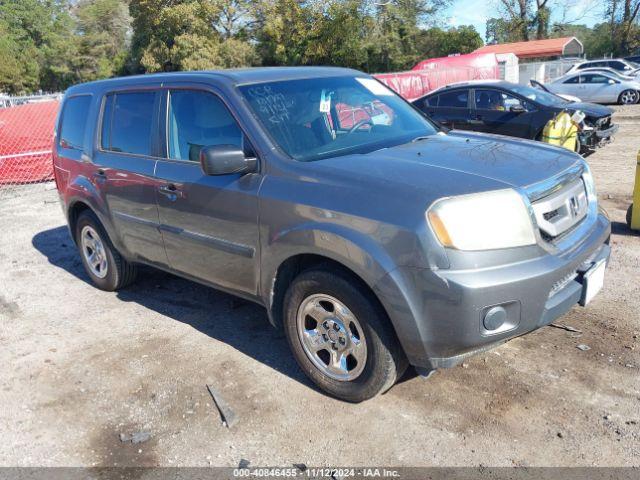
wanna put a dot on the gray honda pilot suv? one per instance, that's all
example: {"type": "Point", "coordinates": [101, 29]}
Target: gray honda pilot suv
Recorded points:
{"type": "Point", "coordinates": [375, 239]}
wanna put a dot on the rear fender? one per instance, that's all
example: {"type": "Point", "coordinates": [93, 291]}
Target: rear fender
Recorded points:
{"type": "Point", "coordinates": [82, 190]}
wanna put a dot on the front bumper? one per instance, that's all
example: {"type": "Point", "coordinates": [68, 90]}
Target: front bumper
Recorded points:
{"type": "Point", "coordinates": [438, 314]}
{"type": "Point", "coordinates": [595, 138]}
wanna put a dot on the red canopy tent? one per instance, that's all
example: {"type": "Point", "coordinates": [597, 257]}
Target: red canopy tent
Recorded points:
{"type": "Point", "coordinates": [434, 73]}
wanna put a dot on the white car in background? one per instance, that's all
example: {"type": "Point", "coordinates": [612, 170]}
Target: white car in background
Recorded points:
{"type": "Point", "coordinates": [597, 87]}
{"type": "Point", "coordinates": [618, 64]}
{"type": "Point", "coordinates": [564, 96]}
{"type": "Point", "coordinates": [617, 74]}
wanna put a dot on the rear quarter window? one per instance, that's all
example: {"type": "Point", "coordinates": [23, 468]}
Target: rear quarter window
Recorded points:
{"type": "Point", "coordinates": [74, 118]}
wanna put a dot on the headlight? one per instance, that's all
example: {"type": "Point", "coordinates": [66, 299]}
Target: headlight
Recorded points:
{"type": "Point", "coordinates": [589, 184]}
{"type": "Point", "coordinates": [482, 221]}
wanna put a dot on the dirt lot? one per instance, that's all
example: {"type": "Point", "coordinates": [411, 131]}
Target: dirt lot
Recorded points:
{"type": "Point", "coordinates": [81, 366]}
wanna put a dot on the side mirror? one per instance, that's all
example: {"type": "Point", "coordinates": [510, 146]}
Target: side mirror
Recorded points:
{"type": "Point", "coordinates": [517, 109]}
{"type": "Point", "coordinates": [611, 82]}
{"type": "Point", "coordinates": [225, 160]}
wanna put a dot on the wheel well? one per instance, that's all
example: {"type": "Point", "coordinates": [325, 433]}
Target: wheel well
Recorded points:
{"type": "Point", "coordinates": [291, 267]}
{"type": "Point", "coordinates": [74, 212]}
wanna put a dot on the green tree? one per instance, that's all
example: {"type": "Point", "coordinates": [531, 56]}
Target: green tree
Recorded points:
{"type": "Point", "coordinates": [102, 37]}
{"type": "Point", "coordinates": [183, 37]}
{"type": "Point", "coordinates": [41, 32]}
{"type": "Point", "coordinates": [392, 42]}
{"type": "Point", "coordinates": [623, 16]}
{"type": "Point", "coordinates": [436, 42]}
{"type": "Point", "coordinates": [339, 36]}
{"type": "Point", "coordinates": [19, 69]}
{"type": "Point", "coordinates": [520, 20]}
{"type": "Point", "coordinates": [283, 30]}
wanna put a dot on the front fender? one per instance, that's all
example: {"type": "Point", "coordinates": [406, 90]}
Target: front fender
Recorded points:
{"type": "Point", "coordinates": [354, 250]}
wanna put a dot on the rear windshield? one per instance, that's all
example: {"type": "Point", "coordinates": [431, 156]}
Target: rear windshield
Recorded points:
{"type": "Point", "coordinates": [319, 118]}
{"type": "Point", "coordinates": [74, 121]}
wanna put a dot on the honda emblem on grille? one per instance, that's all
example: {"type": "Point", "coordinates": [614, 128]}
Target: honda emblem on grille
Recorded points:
{"type": "Point", "coordinates": [574, 205]}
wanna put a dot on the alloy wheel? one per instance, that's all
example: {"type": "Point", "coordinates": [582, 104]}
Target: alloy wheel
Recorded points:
{"type": "Point", "coordinates": [629, 97]}
{"type": "Point", "coordinates": [94, 251]}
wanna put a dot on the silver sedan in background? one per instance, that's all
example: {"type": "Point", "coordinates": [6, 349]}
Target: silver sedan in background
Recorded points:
{"type": "Point", "coordinates": [597, 87]}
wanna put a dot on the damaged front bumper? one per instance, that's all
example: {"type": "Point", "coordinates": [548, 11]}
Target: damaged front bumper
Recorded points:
{"type": "Point", "coordinates": [593, 138]}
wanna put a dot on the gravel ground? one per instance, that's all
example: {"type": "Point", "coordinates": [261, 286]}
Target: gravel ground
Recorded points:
{"type": "Point", "coordinates": [81, 366]}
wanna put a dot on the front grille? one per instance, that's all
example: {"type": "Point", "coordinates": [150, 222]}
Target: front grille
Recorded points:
{"type": "Point", "coordinates": [561, 211]}
{"type": "Point", "coordinates": [551, 215]}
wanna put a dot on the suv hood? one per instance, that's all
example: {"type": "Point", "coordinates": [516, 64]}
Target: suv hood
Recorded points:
{"type": "Point", "coordinates": [501, 161]}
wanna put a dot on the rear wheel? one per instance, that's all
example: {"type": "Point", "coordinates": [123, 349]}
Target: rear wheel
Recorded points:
{"type": "Point", "coordinates": [628, 97]}
{"type": "Point", "coordinates": [629, 214]}
{"type": "Point", "coordinates": [340, 336]}
{"type": "Point", "coordinates": [105, 266]}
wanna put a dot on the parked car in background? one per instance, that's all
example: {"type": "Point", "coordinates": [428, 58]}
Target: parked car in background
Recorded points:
{"type": "Point", "coordinates": [597, 88]}
{"type": "Point", "coordinates": [511, 109]}
{"type": "Point", "coordinates": [618, 64]}
{"type": "Point", "coordinates": [563, 96]}
{"type": "Point", "coordinates": [634, 59]}
{"type": "Point", "coordinates": [373, 244]}
{"type": "Point", "coordinates": [617, 74]}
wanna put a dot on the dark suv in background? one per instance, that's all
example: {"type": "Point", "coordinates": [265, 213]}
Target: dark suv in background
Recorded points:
{"type": "Point", "coordinates": [373, 238]}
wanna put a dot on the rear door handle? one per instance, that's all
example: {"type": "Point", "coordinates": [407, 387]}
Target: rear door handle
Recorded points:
{"type": "Point", "coordinates": [476, 121]}
{"type": "Point", "coordinates": [170, 191]}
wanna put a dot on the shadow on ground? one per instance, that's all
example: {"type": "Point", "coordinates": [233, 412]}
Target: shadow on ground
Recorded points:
{"type": "Point", "coordinates": [238, 323]}
{"type": "Point", "coordinates": [620, 228]}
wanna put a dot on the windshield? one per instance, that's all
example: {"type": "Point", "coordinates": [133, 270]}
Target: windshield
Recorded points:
{"type": "Point", "coordinates": [544, 98]}
{"type": "Point", "coordinates": [312, 119]}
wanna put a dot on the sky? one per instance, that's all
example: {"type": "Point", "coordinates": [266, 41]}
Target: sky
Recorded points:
{"type": "Point", "coordinates": [476, 12]}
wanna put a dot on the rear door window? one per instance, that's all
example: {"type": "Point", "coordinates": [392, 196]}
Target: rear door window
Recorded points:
{"type": "Point", "coordinates": [127, 122]}
{"type": "Point", "coordinates": [575, 79]}
{"type": "Point", "coordinates": [74, 121]}
{"type": "Point", "coordinates": [457, 99]}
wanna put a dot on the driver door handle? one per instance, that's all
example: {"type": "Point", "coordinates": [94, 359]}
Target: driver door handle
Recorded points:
{"type": "Point", "coordinates": [170, 191]}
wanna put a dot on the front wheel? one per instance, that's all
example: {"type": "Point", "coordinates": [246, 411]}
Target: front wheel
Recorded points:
{"type": "Point", "coordinates": [340, 336]}
{"type": "Point", "coordinates": [628, 97]}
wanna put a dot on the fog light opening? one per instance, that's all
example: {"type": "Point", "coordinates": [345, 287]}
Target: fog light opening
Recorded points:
{"type": "Point", "coordinates": [495, 318]}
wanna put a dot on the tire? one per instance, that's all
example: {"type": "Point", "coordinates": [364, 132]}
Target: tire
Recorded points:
{"type": "Point", "coordinates": [349, 322]}
{"type": "Point", "coordinates": [629, 214]}
{"type": "Point", "coordinates": [628, 97]}
{"type": "Point", "coordinates": [109, 271]}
